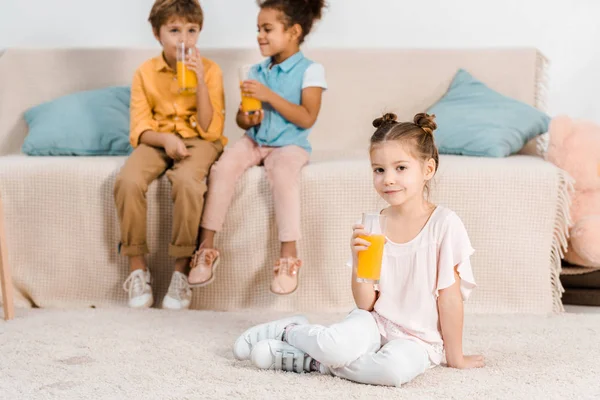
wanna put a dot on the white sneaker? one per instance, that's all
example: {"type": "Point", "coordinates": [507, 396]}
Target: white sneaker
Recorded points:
{"type": "Point", "coordinates": [278, 355]}
{"type": "Point", "coordinates": [179, 295]}
{"type": "Point", "coordinates": [137, 285]}
{"type": "Point", "coordinates": [271, 330]}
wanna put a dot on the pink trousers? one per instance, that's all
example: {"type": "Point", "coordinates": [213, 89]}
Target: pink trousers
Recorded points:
{"type": "Point", "coordinates": [282, 165]}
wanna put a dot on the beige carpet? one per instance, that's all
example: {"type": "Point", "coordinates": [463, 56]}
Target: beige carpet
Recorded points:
{"type": "Point", "coordinates": [118, 354]}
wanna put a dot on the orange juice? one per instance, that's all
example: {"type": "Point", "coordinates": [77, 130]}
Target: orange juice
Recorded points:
{"type": "Point", "coordinates": [186, 78]}
{"type": "Point", "coordinates": [369, 261]}
{"type": "Point", "coordinates": [250, 104]}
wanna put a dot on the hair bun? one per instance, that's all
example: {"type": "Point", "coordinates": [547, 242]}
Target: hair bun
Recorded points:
{"type": "Point", "coordinates": [388, 117]}
{"type": "Point", "coordinates": [316, 7]}
{"type": "Point", "coordinates": [426, 122]}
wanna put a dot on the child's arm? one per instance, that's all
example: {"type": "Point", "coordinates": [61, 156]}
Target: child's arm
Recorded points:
{"type": "Point", "coordinates": [141, 118]}
{"type": "Point", "coordinates": [450, 306]}
{"type": "Point", "coordinates": [364, 293]}
{"type": "Point", "coordinates": [153, 139]}
{"type": "Point", "coordinates": [210, 98]}
{"type": "Point", "coordinates": [143, 125]}
{"type": "Point", "coordinates": [173, 145]}
{"type": "Point", "coordinates": [205, 108]}
{"type": "Point", "coordinates": [303, 115]}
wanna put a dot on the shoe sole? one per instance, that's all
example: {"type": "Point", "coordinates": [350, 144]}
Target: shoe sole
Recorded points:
{"type": "Point", "coordinates": [212, 278]}
{"type": "Point", "coordinates": [288, 293]}
{"type": "Point", "coordinates": [147, 304]}
{"type": "Point", "coordinates": [296, 319]}
{"type": "Point", "coordinates": [271, 348]}
{"type": "Point", "coordinates": [172, 308]}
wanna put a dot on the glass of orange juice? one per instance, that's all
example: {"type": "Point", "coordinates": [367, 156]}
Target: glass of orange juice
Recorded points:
{"type": "Point", "coordinates": [186, 78]}
{"type": "Point", "coordinates": [369, 261]}
{"type": "Point", "coordinates": [249, 104]}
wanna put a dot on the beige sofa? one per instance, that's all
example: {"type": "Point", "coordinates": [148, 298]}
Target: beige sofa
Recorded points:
{"type": "Point", "coordinates": [62, 231]}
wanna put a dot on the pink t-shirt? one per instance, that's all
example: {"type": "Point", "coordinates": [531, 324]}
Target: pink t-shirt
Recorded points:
{"type": "Point", "coordinates": [412, 274]}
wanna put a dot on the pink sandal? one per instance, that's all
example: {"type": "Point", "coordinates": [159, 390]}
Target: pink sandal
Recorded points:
{"type": "Point", "coordinates": [286, 272]}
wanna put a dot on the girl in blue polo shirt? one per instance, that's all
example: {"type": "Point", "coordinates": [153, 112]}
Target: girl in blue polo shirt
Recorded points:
{"type": "Point", "coordinates": [290, 87]}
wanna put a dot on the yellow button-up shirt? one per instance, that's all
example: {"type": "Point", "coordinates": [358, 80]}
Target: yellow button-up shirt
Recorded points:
{"type": "Point", "coordinates": [157, 105]}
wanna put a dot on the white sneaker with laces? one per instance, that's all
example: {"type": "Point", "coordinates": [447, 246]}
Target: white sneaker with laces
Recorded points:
{"type": "Point", "coordinates": [278, 355]}
{"type": "Point", "coordinates": [179, 295]}
{"type": "Point", "coordinates": [137, 285]}
{"type": "Point", "coordinates": [270, 330]}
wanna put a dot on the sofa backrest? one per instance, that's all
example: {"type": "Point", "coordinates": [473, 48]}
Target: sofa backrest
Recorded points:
{"type": "Point", "coordinates": [362, 83]}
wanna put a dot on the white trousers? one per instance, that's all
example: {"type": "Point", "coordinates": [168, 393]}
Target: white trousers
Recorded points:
{"type": "Point", "coordinates": [352, 350]}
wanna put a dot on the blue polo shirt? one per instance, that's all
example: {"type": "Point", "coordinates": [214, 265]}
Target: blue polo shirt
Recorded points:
{"type": "Point", "coordinates": [287, 79]}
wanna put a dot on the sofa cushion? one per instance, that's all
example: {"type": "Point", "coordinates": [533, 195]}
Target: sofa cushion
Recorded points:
{"type": "Point", "coordinates": [478, 121]}
{"type": "Point", "coordinates": [89, 123]}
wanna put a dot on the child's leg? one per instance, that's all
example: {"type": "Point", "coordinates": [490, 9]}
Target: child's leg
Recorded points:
{"type": "Point", "coordinates": [398, 362]}
{"type": "Point", "coordinates": [340, 344]}
{"type": "Point", "coordinates": [188, 180]}
{"type": "Point", "coordinates": [143, 166]}
{"type": "Point", "coordinates": [223, 177]}
{"type": "Point", "coordinates": [270, 330]}
{"type": "Point", "coordinates": [207, 239]}
{"type": "Point", "coordinates": [283, 167]}
{"type": "Point", "coordinates": [288, 249]}
{"type": "Point", "coordinates": [222, 180]}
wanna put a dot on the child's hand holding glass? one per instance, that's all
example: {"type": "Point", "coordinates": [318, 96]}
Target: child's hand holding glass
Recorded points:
{"type": "Point", "coordinates": [256, 90]}
{"type": "Point", "coordinates": [358, 244]}
{"type": "Point", "coordinates": [250, 102]}
{"type": "Point", "coordinates": [368, 240]}
{"type": "Point", "coordinates": [249, 119]}
{"type": "Point", "coordinates": [194, 63]}
{"type": "Point", "coordinates": [189, 68]}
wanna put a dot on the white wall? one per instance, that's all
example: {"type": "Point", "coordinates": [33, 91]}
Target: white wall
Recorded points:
{"type": "Point", "coordinates": [567, 31]}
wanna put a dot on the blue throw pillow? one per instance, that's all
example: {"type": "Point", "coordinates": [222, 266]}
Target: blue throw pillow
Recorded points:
{"type": "Point", "coordinates": [475, 120]}
{"type": "Point", "coordinates": [90, 123]}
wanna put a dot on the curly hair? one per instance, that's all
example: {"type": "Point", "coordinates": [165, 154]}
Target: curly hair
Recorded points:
{"type": "Point", "coordinates": [301, 12]}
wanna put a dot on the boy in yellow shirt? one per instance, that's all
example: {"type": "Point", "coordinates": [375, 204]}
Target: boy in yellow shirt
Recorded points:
{"type": "Point", "coordinates": [177, 134]}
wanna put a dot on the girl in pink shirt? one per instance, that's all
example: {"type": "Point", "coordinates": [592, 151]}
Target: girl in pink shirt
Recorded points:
{"type": "Point", "coordinates": [404, 326]}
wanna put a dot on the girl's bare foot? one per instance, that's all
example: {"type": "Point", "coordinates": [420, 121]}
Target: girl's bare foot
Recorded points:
{"type": "Point", "coordinates": [468, 362]}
